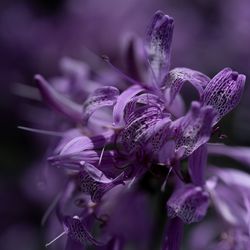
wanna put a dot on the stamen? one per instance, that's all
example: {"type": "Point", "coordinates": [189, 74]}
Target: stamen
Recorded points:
{"type": "Point", "coordinates": [41, 131]}
{"type": "Point", "coordinates": [50, 208]}
{"type": "Point", "coordinates": [101, 156]}
{"type": "Point", "coordinates": [131, 182]}
{"type": "Point", "coordinates": [119, 72]}
{"type": "Point", "coordinates": [59, 236]}
{"type": "Point", "coordinates": [163, 187]}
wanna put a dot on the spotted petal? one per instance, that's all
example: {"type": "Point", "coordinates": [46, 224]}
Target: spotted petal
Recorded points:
{"type": "Point", "coordinates": [189, 203]}
{"type": "Point", "coordinates": [194, 128]}
{"type": "Point", "coordinates": [132, 136]}
{"type": "Point", "coordinates": [158, 45]}
{"type": "Point", "coordinates": [224, 92]}
{"type": "Point", "coordinates": [157, 135]}
{"type": "Point", "coordinates": [96, 186]}
{"type": "Point", "coordinates": [178, 76]}
{"type": "Point", "coordinates": [58, 101]}
{"type": "Point", "coordinates": [78, 232]}
{"type": "Point", "coordinates": [136, 107]}
{"type": "Point", "coordinates": [102, 97]}
{"type": "Point", "coordinates": [122, 101]}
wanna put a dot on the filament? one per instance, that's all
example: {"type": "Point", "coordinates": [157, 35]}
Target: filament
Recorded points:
{"type": "Point", "coordinates": [59, 236]}
{"type": "Point", "coordinates": [41, 131]}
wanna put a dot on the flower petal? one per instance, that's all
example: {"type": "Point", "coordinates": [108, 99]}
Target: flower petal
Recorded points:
{"type": "Point", "coordinates": [81, 143]}
{"type": "Point", "coordinates": [158, 45]}
{"type": "Point", "coordinates": [156, 136]}
{"type": "Point", "coordinates": [96, 187]}
{"type": "Point", "coordinates": [232, 177]}
{"type": "Point", "coordinates": [194, 129]}
{"type": "Point", "coordinates": [58, 101]}
{"type": "Point", "coordinates": [75, 161]}
{"type": "Point", "coordinates": [227, 195]}
{"type": "Point", "coordinates": [178, 76]}
{"type": "Point", "coordinates": [224, 92]}
{"type": "Point", "coordinates": [121, 103]}
{"type": "Point", "coordinates": [197, 162]}
{"type": "Point", "coordinates": [174, 233]}
{"type": "Point", "coordinates": [135, 58]}
{"type": "Point", "coordinates": [78, 232]}
{"type": "Point", "coordinates": [189, 203]}
{"type": "Point", "coordinates": [131, 137]}
{"type": "Point", "coordinates": [240, 154]}
{"type": "Point", "coordinates": [177, 107]}
{"type": "Point", "coordinates": [139, 104]}
{"type": "Point", "coordinates": [167, 152]}
{"type": "Point", "coordinates": [102, 97]}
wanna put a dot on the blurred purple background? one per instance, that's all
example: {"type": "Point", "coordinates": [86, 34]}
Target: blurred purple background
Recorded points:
{"type": "Point", "coordinates": [35, 35]}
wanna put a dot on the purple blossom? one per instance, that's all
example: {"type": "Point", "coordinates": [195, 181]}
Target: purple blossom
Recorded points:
{"type": "Point", "coordinates": [144, 127]}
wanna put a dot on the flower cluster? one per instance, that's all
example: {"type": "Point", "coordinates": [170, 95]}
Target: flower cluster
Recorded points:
{"type": "Point", "coordinates": [124, 132]}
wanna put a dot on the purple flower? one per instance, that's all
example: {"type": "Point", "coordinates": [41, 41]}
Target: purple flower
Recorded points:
{"type": "Point", "coordinates": [143, 128]}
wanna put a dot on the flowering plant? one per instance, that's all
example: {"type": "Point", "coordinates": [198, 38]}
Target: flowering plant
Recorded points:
{"type": "Point", "coordinates": [122, 135]}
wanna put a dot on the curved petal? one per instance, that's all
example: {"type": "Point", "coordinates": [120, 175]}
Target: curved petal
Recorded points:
{"type": "Point", "coordinates": [102, 97]}
{"type": "Point", "coordinates": [121, 103]}
{"type": "Point", "coordinates": [227, 193]}
{"type": "Point", "coordinates": [194, 129]}
{"type": "Point", "coordinates": [156, 136]}
{"type": "Point", "coordinates": [81, 143]}
{"type": "Point", "coordinates": [96, 187]}
{"type": "Point", "coordinates": [131, 137]}
{"type": "Point", "coordinates": [139, 104]}
{"type": "Point", "coordinates": [75, 161]}
{"type": "Point", "coordinates": [240, 154]}
{"type": "Point", "coordinates": [232, 177]}
{"type": "Point", "coordinates": [58, 101]}
{"type": "Point", "coordinates": [178, 76]}
{"type": "Point", "coordinates": [78, 232]}
{"type": "Point", "coordinates": [224, 92]}
{"type": "Point", "coordinates": [158, 45]}
{"type": "Point", "coordinates": [189, 203]}
{"type": "Point", "coordinates": [177, 107]}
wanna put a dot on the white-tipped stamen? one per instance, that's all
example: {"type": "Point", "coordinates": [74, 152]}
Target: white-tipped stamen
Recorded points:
{"type": "Point", "coordinates": [41, 131]}
{"type": "Point", "coordinates": [131, 182]}
{"type": "Point", "coordinates": [59, 236]}
{"type": "Point", "coordinates": [163, 187]}
{"type": "Point", "coordinates": [101, 156]}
